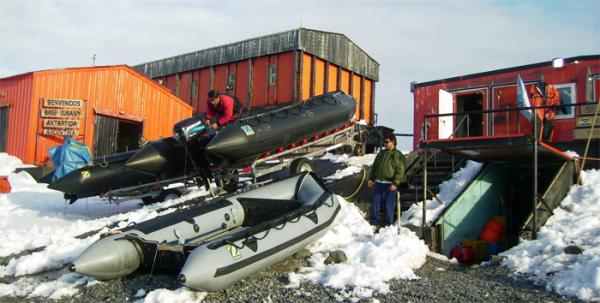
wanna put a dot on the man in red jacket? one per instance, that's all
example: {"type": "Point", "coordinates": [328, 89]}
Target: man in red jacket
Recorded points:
{"type": "Point", "coordinates": [219, 109]}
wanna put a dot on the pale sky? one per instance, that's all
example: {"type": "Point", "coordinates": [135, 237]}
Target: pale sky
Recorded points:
{"type": "Point", "coordinates": [412, 40]}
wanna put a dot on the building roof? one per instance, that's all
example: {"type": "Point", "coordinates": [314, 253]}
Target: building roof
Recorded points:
{"type": "Point", "coordinates": [503, 70]}
{"type": "Point", "coordinates": [126, 68]}
{"type": "Point", "coordinates": [332, 47]}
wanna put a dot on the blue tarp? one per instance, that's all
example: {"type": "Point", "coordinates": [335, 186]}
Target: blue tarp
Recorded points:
{"type": "Point", "coordinates": [68, 157]}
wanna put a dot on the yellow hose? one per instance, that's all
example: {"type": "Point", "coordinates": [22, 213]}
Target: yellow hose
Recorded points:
{"type": "Point", "coordinates": [364, 171]}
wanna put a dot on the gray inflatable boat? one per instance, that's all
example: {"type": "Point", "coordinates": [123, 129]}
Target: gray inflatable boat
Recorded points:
{"type": "Point", "coordinates": [214, 245]}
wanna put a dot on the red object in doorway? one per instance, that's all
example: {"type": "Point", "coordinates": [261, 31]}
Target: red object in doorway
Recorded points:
{"type": "Point", "coordinates": [495, 226]}
{"type": "Point", "coordinates": [462, 254]}
{"type": "Point", "coordinates": [490, 235]}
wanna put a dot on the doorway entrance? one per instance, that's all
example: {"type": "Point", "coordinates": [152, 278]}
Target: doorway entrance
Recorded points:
{"type": "Point", "coordinates": [470, 125]}
{"type": "Point", "coordinates": [3, 127]}
{"type": "Point", "coordinates": [113, 135]}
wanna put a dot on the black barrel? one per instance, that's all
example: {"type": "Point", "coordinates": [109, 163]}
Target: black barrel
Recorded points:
{"type": "Point", "coordinates": [245, 140]}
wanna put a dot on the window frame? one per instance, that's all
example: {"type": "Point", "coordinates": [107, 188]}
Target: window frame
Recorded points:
{"type": "Point", "coordinates": [572, 86]}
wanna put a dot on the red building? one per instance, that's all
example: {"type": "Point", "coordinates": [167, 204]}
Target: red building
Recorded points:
{"type": "Point", "coordinates": [275, 69]}
{"type": "Point", "coordinates": [483, 106]}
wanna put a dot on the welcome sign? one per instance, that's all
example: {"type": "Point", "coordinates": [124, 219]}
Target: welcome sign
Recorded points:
{"type": "Point", "coordinates": [61, 117]}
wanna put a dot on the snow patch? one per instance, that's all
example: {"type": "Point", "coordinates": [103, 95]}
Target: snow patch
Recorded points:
{"type": "Point", "coordinates": [449, 190]}
{"type": "Point", "coordinates": [575, 222]}
{"type": "Point", "coordinates": [180, 295]}
{"type": "Point", "coordinates": [372, 259]}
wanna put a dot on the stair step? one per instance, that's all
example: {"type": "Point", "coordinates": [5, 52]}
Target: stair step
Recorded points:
{"type": "Point", "coordinates": [439, 173]}
{"type": "Point", "coordinates": [419, 188]}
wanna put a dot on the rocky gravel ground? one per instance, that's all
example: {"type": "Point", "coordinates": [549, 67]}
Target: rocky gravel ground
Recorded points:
{"type": "Point", "coordinates": [439, 282]}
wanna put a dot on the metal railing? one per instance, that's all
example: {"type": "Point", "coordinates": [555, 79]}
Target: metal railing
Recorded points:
{"type": "Point", "coordinates": [494, 117]}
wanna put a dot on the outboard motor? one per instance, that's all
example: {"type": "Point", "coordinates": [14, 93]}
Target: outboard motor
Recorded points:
{"type": "Point", "coordinates": [188, 130]}
{"type": "Point", "coordinates": [193, 134]}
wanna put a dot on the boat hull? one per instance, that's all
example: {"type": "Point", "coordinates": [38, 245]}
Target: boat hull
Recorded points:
{"type": "Point", "coordinates": [218, 264]}
{"type": "Point", "coordinates": [242, 142]}
{"type": "Point", "coordinates": [214, 244]}
{"type": "Point", "coordinates": [106, 174]}
{"type": "Point", "coordinates": [157, 245]}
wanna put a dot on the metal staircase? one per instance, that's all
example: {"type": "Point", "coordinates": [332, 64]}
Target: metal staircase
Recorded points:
{"type": "Point", "coordinates": [440, 167]}
{"type": "Point", "coordinates": [546, 203]}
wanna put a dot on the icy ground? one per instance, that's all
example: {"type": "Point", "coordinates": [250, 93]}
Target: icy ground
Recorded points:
{"type": "Point", "coordinates": [33, 216]}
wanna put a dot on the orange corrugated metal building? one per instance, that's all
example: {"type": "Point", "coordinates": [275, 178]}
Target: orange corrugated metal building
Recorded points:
{"type": "Point", "coordinates": [108, 108]}
{"type": "Point", "coordinates": [274, 69]}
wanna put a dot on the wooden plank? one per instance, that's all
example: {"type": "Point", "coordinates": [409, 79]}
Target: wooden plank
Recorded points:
{"type": "Point", "coordinates": [588, 109]}
{"type": "Point", "coordinates": [583, 133]}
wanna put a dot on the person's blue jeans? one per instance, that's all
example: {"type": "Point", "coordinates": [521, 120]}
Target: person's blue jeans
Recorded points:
{"type": "Point", "coordinates": [384, 198]}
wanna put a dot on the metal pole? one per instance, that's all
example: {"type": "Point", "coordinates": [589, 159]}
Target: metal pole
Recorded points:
{"type": "Point", "coordinates": [423, 224]}
{"type": "Point", "coordinates": [398, 206]}
{"type": "Point", "coordinates": [535, 179]}
{"type": "Point", "coordinates": [468, 125]}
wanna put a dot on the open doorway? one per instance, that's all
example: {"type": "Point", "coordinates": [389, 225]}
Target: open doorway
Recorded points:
{"type": "Point", "coordinates": [503, 191]}
{"type": "Point", "coordinates": [3, 127]}
{"type": "Point", "coordinates": [113, 135]}
{"type": "Point", "coordinates": [470, 125]}
{"type": "Point", "coordinates": [129, 135]}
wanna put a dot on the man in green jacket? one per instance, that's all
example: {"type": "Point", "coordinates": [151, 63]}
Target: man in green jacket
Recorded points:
{"type": "Point", "coordinates": [386, 175]}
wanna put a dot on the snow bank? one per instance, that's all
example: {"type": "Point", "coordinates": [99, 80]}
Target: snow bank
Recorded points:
{"type": "Point", "coordinates": [354, 164]}
{"type": "Point", "coordinates": [180, 295]}
{"type": "Point", "coordinates": [449, 190]}
{"type": "Point", "coordinates": [372, 259]}
{"type": "Point", "coordinates": [65, 286]}
{"type": "Point", "coordinates": [33, 216]}
{"type": "Point", "coordinates": [575, 222]}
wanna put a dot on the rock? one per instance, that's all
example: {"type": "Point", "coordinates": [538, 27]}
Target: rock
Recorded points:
{"type": "Point", "coordinates": [573, 250]}
{"type": "Point", "coordinates": [336, 257]}
{"type": "Point", "coordinates": [303, 254]}
{"type": "Point", "coordinates": [496, 260]}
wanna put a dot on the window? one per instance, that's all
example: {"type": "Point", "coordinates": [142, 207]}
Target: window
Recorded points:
{"type": "Point", "coordinates": [194, 88]}
{"type": "Point", "coordinates": [230, 82]}
{"type": "Point", "coordinates": [272, 74]}
{"type": "Point", "coordinates": [567, 97]}
{"type": "Point", "coordinates": [177, 84]}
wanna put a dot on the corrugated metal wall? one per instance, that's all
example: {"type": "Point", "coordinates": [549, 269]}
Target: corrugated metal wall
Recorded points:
{"type": "Point", "coordinates": [274, 69]}
{"type": "Point", "coordinates": [271, 80]}
{"type": "Point", "coordinates": [15, 92]}
{"type": "Point", "coordinates": [115, 91]}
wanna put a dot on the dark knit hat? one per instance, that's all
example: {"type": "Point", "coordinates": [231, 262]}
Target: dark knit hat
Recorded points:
{"type": "Point", "coordinates": [213, 94]}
